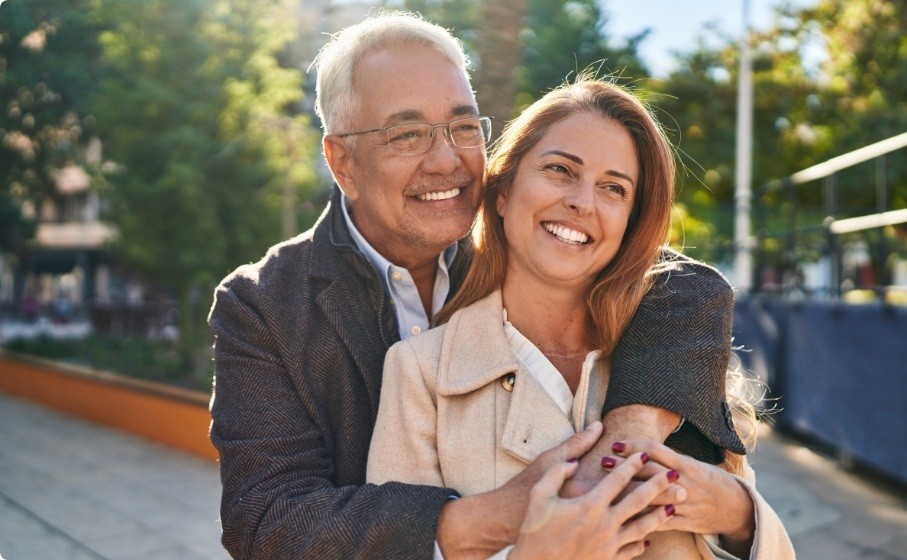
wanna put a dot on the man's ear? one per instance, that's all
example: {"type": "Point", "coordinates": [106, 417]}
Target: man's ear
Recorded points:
{"type": "Point", "coordinates": [340, 161]}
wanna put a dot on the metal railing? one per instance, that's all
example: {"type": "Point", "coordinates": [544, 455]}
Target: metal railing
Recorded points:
{"type": "Point", "coordinates": [824, 236]}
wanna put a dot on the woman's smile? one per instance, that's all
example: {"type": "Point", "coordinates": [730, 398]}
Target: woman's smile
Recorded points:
{"type": "Point", "coordinates": [566, 234]}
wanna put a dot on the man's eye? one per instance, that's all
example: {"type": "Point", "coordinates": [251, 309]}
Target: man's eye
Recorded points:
{"type": "Point", "coordinates": [405, 135]}
{"type": "Point", "coordinates": [466, 128]}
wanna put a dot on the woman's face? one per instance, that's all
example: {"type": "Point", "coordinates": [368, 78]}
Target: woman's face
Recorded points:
{"type": "Point", "coordinates": [567, 209]}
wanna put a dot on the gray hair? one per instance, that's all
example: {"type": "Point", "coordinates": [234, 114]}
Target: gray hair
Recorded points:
{"type": "Point", "coordinates": [335, 100]}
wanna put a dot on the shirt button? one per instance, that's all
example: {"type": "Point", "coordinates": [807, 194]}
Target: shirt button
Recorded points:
{"type": "Point", "coordinates": [415, 330]}
{"type": "Point", "coordinates": [396, 276]}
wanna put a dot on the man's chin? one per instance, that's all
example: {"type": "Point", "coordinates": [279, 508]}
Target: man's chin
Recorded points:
{"type": "Point", "coordinates": [441, 233]}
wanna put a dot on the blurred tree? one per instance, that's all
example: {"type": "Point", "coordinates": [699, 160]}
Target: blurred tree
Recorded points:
{"type": "Point", "coordinates": [500, 52]}
{"type": "Point", "coordinates": [865, 84]}
{"type": "Point", "coordinates": [48, 69]}
{"type": "Point", "coordinates": [698, 105]}
{"type": "Point", "coordinates": [561, 38]}
{"type": "Point", "coordinates": [189, 105]}
{"type": "Point", "coordinates": [524, 48]}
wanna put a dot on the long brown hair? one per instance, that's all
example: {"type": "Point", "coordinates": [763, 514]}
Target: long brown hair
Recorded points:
{"type": "Point", "coordinates": [620, 286]}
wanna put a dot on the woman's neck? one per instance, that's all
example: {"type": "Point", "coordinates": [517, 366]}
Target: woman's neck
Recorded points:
{"type": "Point", "coordinates": [552, 318]}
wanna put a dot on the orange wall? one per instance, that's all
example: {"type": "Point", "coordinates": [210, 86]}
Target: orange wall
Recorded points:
{"type": "Point", "coordinates": [168, 415]}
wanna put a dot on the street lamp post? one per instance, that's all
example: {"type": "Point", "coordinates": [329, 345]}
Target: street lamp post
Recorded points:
{"type": "Point", "coordinates": [743, 241]}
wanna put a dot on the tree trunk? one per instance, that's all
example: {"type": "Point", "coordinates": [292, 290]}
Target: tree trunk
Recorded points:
{"type": "Point", "coordinates": [500, 52]}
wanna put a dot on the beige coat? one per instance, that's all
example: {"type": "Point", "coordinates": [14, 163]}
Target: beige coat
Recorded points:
{"type": "Point", "coordinates": [446, 419]}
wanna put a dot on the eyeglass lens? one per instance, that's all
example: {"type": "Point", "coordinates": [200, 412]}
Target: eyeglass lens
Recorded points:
{"type": "Point", "coordinates": [414, 138]}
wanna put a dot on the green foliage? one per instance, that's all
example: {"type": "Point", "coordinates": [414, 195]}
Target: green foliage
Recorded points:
{"type": "Point", "coordinates": [198, 112]}
{"type": "Point", "coordinates": [561, 38]}
{"type": "Point", "coordinates": [804, 114]}
{"type": "Point", "coordinates": [47, 67]}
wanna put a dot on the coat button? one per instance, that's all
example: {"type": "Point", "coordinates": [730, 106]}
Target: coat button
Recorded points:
{"type": "Point", "coordinates": [508, 382]}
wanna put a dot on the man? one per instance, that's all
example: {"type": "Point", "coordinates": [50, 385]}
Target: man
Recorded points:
{"type": "Point", "coordinates": [301, 335]}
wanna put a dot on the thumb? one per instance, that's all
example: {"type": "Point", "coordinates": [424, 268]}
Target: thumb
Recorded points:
{"type": "Point", "coordinates": [579, 444]}
{"type": "Point", "coordinates": [543, 497]}
{"type": "Point", "coordinates": [550, 484]}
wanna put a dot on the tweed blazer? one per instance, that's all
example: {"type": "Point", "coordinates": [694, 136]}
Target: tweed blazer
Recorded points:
{"type": "Point", "coordinates": [300, 340]}
{"type": "Point", "coordinates": [446, 419]}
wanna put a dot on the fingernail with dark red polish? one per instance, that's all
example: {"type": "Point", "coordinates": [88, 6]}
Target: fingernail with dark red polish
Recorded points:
{"type": "Point", "coordinates": [573, 460]}
{"type": "Point", "coordinates": [609, 462]}
{"type": "Point", "coordinates": [673, 475]}
{"type": "Point", "coordinates": [644, 458]}
{"type": "Point", "coordinates": [618, 446]}
{"type": "Point", "coordinates": [669, 509]}
{"type": "Point", "coordinates": [646, 544]}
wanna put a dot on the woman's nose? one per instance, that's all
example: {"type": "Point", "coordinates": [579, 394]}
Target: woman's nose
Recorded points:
{"type": "Point", "coordinates": [580, 198]}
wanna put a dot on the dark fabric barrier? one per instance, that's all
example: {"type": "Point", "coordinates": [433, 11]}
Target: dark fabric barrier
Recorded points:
{"type": "Point", "coordinates": [757, 339]}
{"type": "Point", "coordinates": [840, 371]}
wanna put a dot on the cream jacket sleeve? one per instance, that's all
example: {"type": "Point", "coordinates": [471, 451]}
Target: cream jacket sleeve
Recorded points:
{"type": "Point", "coordinates": [770, 538]}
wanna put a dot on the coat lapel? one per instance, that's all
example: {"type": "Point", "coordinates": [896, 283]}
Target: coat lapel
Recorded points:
{"type": "Point", "coordinates": [356, 320]}
{"type": "Point", "coordinates": [363, 339]}
{"type": "Point", "coordinates": [475, 353]}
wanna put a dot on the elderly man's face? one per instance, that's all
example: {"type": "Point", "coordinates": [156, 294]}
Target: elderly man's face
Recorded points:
{"type": "Point", "coordinates": [412, 206]}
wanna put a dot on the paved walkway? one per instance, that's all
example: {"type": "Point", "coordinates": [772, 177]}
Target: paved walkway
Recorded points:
{"type": "Point", "coordinates": [71, 490]}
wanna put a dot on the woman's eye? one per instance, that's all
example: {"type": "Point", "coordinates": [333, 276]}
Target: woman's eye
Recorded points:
{"type": "Point", "coordinates": [558, 168]}
{"type": "Point", "coordinates": [616, 189]}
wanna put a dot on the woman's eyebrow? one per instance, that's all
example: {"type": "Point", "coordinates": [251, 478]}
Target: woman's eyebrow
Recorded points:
{"type": "Point", "coordinates": [579, 160]}
{"type": "Point", "coordinates": [571, 157]}
{"type": "Point", "coordinates": [621, 175]}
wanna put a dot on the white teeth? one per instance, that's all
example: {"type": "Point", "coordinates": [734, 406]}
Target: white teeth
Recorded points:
{"type": "Point", "coordinates": [439, 195]}
{"type": "Point", "coordinates": [566, 234]}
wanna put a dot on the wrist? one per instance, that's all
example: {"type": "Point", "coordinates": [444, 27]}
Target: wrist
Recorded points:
{"type": "Point", "coordinates": [739, 533]}
{"type": "Point", "coordinates": [469, 526]}
{"type": "Point", "coordinates": [638, 421]}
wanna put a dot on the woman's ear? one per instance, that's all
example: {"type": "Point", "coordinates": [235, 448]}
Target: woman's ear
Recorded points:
{"type": "Point", "coordinates": [501, 201]}
{"type": "Point", "coordinates": [339, 157]}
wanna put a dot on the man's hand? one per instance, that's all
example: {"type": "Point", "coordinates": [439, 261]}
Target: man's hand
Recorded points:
{"type": "Point", "coordinates": [480, 525]}
{"type": "Point", "coordinates": [627, 423]}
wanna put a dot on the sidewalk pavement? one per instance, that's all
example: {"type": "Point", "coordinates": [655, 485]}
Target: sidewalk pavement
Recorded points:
{"type": "Point", "coordinates": [73, 490]}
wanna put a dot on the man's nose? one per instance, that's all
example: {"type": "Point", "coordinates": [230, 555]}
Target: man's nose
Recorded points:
{"type": "Point", "coordinates": [441, 156]}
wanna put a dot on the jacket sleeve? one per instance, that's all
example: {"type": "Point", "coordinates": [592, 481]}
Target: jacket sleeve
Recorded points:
{"type": "Point", "coordinates": [770, 540]}
{"type": "Point", "coordinates": [279, 500]}
{"type": "Point", "coordinates": [404, 443]}
{"type": "Point", "coordinates": [674, 354]}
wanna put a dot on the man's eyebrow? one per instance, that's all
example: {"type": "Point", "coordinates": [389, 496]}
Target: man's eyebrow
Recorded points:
{"type": "Point", "coordinates": [464, 111]}
{"type": "Point", "coordinates": [407, 115]}
{"type": "Point", "coordinates": [411, 115]}
{"type": "Point", "coordinates": [579, 160]}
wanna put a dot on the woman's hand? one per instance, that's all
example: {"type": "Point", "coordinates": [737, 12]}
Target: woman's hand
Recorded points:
{"type": "Point", "coordinates": [716, 502]}
{"type": "Point", "coordinates": [592, 525]}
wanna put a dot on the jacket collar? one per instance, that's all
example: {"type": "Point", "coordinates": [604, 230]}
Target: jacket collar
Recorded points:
{"type": "Point", "coordinates": [472, 366]}
{"type": "Point", "coordinates": [475, 353]}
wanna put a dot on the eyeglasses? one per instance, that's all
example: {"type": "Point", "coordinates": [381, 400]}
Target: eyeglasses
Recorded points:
{"type": "Point", "coordinates": [415, 138]}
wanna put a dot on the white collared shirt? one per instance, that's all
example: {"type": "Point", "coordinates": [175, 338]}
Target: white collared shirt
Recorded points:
{"type": "Point", "coordinates": [399, 284]}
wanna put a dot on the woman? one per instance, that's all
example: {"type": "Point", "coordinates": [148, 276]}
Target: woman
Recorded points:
{"type": "Point", "coordinates": [575, 214]}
